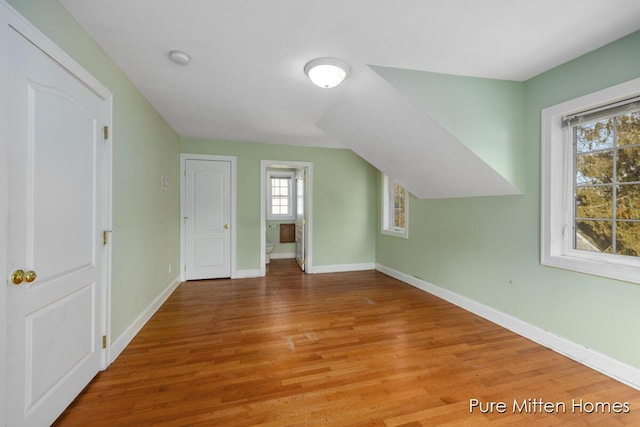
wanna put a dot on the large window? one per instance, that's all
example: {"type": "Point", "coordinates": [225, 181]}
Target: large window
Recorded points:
{"type": "Point", "coordinates": [395, 208]}
{"type": "Point", "coordinates": [591, 183]}
{"type": "Point", "coordinates": [607, 185]}
{"type": "Point", "coordinates": [280, 191]}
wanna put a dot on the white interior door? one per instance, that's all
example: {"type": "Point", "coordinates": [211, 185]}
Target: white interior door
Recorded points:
{"type": "Point", "coordinates": [207, 219]}
{"type": "Point", "coordinates": [56, 218]}
{"type": "Point", "coordinates": [300, 217]}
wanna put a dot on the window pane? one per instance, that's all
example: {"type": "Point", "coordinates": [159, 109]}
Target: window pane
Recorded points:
{"type": "Point", "coordinates": [628, 238]}
{"type": "Point", "coordinates": [594, 168]}
{"type": "Point", "coordinates": [593, 236]}
{"type": "Point", "coordinates": [398, 205]}
{"type": "Point", "coordinates": [628, 128]}
{"type": "Point", "coordinates": [628, 164]}
{"type": "Point", "coordinates": [594, 202]}
{"type": "Point", "coordinates": [594, 136]}
{"type": "Point", "coordinates": [280, 196]}
{"type": "Point", "coordinates": [628, 201]}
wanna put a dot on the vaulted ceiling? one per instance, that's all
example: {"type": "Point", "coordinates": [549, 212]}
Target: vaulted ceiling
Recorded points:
{"type": "Point", "coordinates": [246, 82]}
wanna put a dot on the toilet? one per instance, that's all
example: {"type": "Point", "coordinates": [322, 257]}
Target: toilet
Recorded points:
{"type": "Point", "coordinates": [269, 248]}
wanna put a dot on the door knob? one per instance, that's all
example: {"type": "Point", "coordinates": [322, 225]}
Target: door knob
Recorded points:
{"type": "Point", "coordinates": [17, 277]}
{"type": "Point", "coordinates": [227, 226]}
{"type": "Point", "coordinates": [30, 276]}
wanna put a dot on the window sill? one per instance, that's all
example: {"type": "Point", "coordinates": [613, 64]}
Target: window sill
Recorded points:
{"type": "Point", "coordinates": [281, 218]}
{"type": "Point", "coordinates": [618, 267]}
{"type": "Point", "coordinates": [403, 234]}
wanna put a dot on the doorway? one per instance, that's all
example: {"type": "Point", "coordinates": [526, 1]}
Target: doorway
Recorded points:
{"type": "Point", "coordinates": [303, 179]}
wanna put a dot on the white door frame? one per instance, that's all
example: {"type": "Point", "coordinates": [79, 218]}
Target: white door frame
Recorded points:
{"type": "Point", "coordinates": [183, 170]}
{"type": "Point", "coordinates": [9, 17]}
{"type": "Point", "coordinates": [264, 165]}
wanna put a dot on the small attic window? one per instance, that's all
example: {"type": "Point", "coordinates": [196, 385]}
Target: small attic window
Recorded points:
{"type": "Point", "coordinates": [395, 208]}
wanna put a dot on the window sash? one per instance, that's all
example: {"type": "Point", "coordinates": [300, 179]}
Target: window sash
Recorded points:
{"type": "Point", "coordinates": [598, 239]}
{"type": "Point", "coordinates": [281, 197]}
{"type": "Point", "coordinates": [393, 209]}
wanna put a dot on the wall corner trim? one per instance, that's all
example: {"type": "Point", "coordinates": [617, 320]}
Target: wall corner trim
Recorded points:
{"type": "Point", "coordinates": [119, 344]}
{"type": "Point", "coordinates": [604, 364]}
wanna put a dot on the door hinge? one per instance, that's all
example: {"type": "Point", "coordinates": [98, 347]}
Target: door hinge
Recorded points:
{"type": "Point", "coordinates": [105, 131]}
{"type": "Point", "coordinates": [105, 237]}
{"type": "Point", "coordinates": [104, 341]}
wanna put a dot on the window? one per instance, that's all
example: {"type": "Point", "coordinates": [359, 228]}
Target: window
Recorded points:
{"type": "Point", "coordinates": [280, 200]}
{"type": "Point", "coordinates": [591, 183]}
{"type": "Point", "coordinates": [395, 208]}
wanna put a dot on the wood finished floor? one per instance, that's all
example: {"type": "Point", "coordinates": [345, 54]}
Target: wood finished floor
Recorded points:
{"type": "Point", "coordinates": [346, 349]}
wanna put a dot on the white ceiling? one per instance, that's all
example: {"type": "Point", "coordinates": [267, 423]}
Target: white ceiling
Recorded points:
{"type": "Point", "coordinates": [246, 80]}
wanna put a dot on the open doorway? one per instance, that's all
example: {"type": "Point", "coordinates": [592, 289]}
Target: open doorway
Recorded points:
{"type": "Point", "coordinates": [295, 179]}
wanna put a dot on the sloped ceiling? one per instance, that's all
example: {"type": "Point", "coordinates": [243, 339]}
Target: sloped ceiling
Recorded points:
{"type": "Point", "coordinates": [485, 115]}
{"type": "Point", "coordinates": [246, 82]}
{"type": "Point", "coordinates": [399, 138]}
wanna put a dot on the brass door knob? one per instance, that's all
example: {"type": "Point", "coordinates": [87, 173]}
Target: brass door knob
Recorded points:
{"type": "Point", "coordinates": [30, 276]}
{"type": "Point", "coordinates": [227, 226]}
{"type": "Point", "coordinates": [17, 277]}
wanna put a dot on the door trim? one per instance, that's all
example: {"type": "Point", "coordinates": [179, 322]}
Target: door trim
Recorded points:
{"type": "Point", "coordinates": [10, 18]}
{"type": "Point", "coordinates": [183, 169]}
{"type": "Point", "coordinates": [264, 165]}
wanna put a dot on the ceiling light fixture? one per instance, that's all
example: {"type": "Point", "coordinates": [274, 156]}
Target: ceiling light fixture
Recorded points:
{"type": "Point", "coordinates": [179, 57]}
{"type": "Point", "coordinates": [327, 72]}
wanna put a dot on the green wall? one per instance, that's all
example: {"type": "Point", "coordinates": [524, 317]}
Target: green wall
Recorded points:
{"type": "Point", "coordinates": [145, 217]}
{"type": "Point", "coordinates": [488, 248]}
{"type": "Point", "coordinates": [344, 199]}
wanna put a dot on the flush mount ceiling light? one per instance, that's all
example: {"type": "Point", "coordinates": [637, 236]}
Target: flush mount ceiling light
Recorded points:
{"type": "Point", "coordinates": [179, 57]}
{"type": "Point", "coordinates": [327, 72]}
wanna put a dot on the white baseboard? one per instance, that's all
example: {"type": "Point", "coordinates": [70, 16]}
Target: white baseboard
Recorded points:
{"type": "Point", "coordinates": [282, 255]}
{"type": "Point", "coordinates": [604, 364]}
{"type": "Point", "coordinates": [119, 344]}
{"type": "Point", "coordinates": [246, 274]}
{"type": "Point", "coordinates": [341, 268]}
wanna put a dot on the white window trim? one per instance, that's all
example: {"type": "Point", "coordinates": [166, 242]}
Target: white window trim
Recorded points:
{"type": "Point", "coordinates": [557, 191]}
{"type": "Point", "coordinates": [292, 195]}
{"type": "Point", "coordinates": [387, 196]}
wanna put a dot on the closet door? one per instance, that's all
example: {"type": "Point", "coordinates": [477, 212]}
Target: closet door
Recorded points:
{"type": "Point", "coordinates": [207, 219]}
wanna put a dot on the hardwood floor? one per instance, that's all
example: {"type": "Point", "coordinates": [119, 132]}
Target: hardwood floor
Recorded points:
{"type": "Point", "coordinates": [345, 349]}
